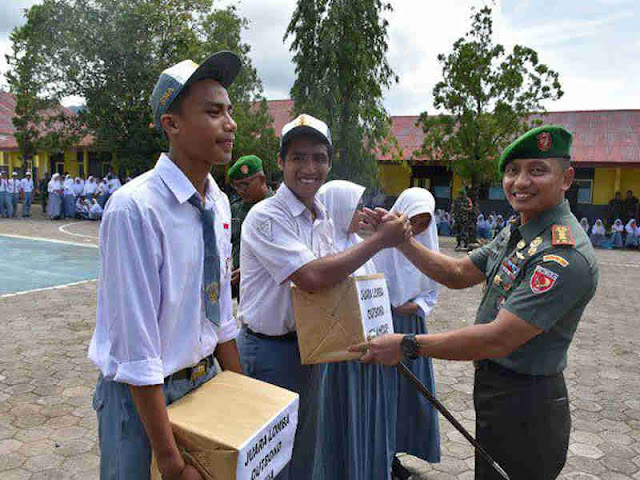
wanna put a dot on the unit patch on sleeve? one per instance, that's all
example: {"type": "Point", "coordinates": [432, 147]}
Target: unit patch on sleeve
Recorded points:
{"type": "Point", "coordinates": [542, 280]}
{"type": "Point", "coordinates": [561, 235]}
{"type": "Point", "coordinates": [557, 259]}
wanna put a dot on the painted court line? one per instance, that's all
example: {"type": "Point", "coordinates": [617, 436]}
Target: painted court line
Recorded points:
{"type": "Point", "coordinates": [62, 229]}
{"type": "Point", "coordinates": [56, 287]}
{"type": "Point", "coordinates": [41, 239]}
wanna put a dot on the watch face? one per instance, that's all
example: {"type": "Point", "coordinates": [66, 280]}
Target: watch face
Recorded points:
{"type": "Point", "coordinates": [409, 346]}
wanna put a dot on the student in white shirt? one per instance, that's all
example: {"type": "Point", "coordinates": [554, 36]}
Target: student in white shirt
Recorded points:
{"type": "Point", "coordinates": [3, 194]}
{"type": "Point", "coordinates": [156, 334]}
{"type": "Point", "coordinates": [95, 210]}
{"type": "Point", "coordinates": [69, 200]}
{"type": "Point", "coordinates": [90, 188]}
{"type": "Point", "coordinates": [13, 193]}
{"type": "Point", "coordinates": [56, 197]}
{"type": "Point", "coordinates": [102, 191]}
{"type": "Point", "coordinates": [289, 238]}
{"type": "Point", "coordinates": [26, 186]}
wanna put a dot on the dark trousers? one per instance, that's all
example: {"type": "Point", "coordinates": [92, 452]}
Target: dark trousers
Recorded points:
{"type": "Point", "coordinates": [522, 421]}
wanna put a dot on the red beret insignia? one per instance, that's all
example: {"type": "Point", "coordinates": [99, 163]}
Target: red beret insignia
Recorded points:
{"type": "Point", "coordinates": [544, 141]}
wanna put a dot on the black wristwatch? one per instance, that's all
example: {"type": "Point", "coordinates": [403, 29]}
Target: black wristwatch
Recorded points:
{"type": "Point", "coordinates": [410, 347]}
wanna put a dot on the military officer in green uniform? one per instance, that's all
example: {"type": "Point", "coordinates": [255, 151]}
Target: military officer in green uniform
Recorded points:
{"type": "Point", "coordinates": [539, 275]}
{"type": "Point", "coordinates": [248, 179]}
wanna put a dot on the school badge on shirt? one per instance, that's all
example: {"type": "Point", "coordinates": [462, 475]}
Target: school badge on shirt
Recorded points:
{"type": "Point", "coordinates": [542, 280]}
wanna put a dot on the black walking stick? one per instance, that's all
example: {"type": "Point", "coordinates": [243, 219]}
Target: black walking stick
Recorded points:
{"type": "Point", "coordinates": [404, 371]}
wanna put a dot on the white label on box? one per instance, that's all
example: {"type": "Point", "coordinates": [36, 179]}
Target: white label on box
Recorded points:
{"type": "Point", "coordinates": [375, 309]}
{"type": "Point", "coordinates": [269, 450]}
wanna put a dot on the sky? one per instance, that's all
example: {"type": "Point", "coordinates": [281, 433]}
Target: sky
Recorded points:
{"type": "Point", "coordinates": [593, 44]}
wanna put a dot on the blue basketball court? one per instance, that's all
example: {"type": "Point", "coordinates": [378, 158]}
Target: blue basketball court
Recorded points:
{"type": "Point", "coordinates": [29, 264]}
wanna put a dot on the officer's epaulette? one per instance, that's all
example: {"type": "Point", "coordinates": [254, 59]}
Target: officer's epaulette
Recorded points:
{"type": "Point", "coordinates": [561, 235]}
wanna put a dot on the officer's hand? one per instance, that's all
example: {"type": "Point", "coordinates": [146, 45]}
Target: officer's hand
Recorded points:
{"type": "Point", "coordinates": [235, 276]}
{"type": "Point", "coordinates": [393, 231]}
{"type": "Point", "coordinates": [383, 349]}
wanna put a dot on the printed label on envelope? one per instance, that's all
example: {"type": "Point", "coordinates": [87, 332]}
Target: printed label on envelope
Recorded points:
{"type": "Point", "coordinates": [375, 309]}
{"type": "Point", "coordinates": [269, 451]}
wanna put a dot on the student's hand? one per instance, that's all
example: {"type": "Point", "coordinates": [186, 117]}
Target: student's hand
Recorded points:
{"type": "Point", "coordinates": [235, 276]}
{"type": "Point", "coordinates": [190, 473]}
{"type": "Point", "coordinates": [409, 308]}
{"type": "Point", "coordinates": [393, 231]}
{"type": "Point", "coordinates": [383, 349]}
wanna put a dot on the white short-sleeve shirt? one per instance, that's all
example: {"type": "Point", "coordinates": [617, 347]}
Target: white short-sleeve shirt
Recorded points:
{"type": "Point", "coordinates": [151, 320]}
{"type": "Point", "coordinates": [279, 236]}
{"type": "Point", "coordinates": [26, 185]}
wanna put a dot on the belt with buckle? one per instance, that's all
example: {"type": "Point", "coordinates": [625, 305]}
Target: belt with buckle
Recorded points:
{"type": "Point", "coordinates": [195, 372]}
{"type": "Point", "coordinates": [287, 337]}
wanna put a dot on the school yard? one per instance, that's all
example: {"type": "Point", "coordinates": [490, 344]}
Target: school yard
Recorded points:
{"type": "Point", "coordinates": [48, 428]}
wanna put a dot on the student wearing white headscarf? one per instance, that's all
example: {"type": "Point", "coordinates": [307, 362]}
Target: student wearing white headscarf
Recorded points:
{"type": "Point", "coordinates": [55, 190]}
{"type": "Point", "coordinates": [95, 211]}
{"type": "Point", "coordinates": [413, 296]}
{"type": "Point", "coordinates": [584, 222]}
{"type": "Point", "coordinates": [90, 188]}
{"type": "Point", "coordinates": [616, 233]}
{"type": "Point", "coordinates": [78, 187]}
{"type": "Point", "coordinates": [598, 233]}
{"type": "Point", "coordinates": [483, 230]}
{"type": "Point", "coordinates": [69, 205]}
{"type": "Point", "coordinates": [359, 401]}
{"type": "Point", "coordinates": [633, 234]}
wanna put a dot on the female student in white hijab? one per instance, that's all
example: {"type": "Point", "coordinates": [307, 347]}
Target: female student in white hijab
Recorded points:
{"type": "Point", "coordinates": [69, 204]}
{"type": "Point", "coordinates": [55, 189]}
{"type": "Point", "coordinates": [616, 233]}
{"type": "Point", "coordinates": [413, 295]}
{"type": "Point", "coordinates": [598, 233]}
{"type": "Point", "coordinates": [358, 400]}
{"type": "Point", "coordinates": [633, 234]}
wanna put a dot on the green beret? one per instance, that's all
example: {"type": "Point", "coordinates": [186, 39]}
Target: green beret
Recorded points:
{"type": "Point", "coordinates": [547, 141]}
{"type": "Point", "coordinates": [245, 167]}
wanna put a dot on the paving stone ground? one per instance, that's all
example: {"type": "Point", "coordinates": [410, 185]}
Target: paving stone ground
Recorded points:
{"type": "Point", "coordinates": [48, 428]}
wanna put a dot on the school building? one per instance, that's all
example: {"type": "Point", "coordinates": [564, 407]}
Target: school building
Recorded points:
{"type": "Point", "coordinates": [81, 160]}
{"type": "Point", "coordinates": [605, 155]}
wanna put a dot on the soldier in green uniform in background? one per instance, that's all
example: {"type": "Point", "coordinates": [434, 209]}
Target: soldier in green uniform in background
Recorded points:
{"type": "Point", "coordinates": [464, 215]}
{"type": "Point", "coordinates": [539, 273]}
{"type": "Point", "coordinates": [248, 179]}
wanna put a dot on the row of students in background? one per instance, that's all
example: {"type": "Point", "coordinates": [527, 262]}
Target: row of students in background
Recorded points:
{"type": "Point", "coordinates": [617, 236]}
{"type": "Point", "coordinates": [12, 190]}
{"type": "Point", "coordinates": [486, 227]}
{"type": "Point", "coordinates": [77, 198]}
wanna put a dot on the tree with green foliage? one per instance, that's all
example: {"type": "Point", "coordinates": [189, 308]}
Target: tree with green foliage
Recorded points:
{"type": "Point", "coordinates": [340, 51]}
{"type": "Point", "coordinates": [487, 96]}
{"type": "Point", "coordinates": [110, 52]}
{"type": "Point", "coordinates": [40, 123]}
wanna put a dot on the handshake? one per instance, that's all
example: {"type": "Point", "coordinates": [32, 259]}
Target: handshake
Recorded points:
{"type": "Point", "coordinates": [387, 229]}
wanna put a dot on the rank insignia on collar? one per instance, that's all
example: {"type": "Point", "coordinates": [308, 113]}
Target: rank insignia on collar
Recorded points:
{"type": "Point", "coordinates": [542, 280]}
{"type": "Point", "coordinates": [561, 235]}
{"type": "Point", "coordinates": [536, 242]}
{"type": "Point", "coordinates": [532, 250]}
{"type": "Point", "coordinates": [520, 256]}
{"type": "Point", "coordinates": [521, 244]}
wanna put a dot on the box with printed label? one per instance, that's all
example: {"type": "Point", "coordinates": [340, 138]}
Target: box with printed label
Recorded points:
{"type": "Point", "coordinates": [331, 320]}
{"type": "Point", "coordinates": [235, 427]}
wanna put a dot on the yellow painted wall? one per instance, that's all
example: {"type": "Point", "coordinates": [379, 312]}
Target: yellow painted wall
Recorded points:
{"type": "Point", "coordinates": [604, 183]}
{"type": "Point", "coordinates": [630, 181]}
{"type": "Point", "coordinates": [604, 180]}
{"type": "Point", "coordinates": [394, 178]}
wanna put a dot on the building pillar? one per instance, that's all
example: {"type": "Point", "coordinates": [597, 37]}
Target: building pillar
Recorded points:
{"type": "Point", "coordinates": [85, 161]}
{"type": "Point", "coordinates": [616, 185]}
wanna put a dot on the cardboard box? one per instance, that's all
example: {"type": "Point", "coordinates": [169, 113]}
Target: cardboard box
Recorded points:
{"type": "Point", "coordinates": [235, 428]}
{"type": "Point", "coordinates": [329, 321]}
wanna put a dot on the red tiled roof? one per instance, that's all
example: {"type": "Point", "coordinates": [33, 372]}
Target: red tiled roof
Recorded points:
{"type": "Point", "coordinates": [603, 137]}
{"type": "Point", "coordinates": [7, 130]}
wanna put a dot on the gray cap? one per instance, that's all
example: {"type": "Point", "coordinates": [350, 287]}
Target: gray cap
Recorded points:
{"type": "Point", "coordinates": [221, 66]}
